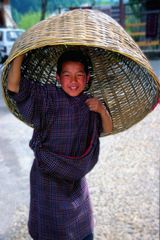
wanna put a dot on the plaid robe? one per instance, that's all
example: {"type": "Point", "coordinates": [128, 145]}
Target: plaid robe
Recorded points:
{"type": "Point", "coordinates": [65, 142]}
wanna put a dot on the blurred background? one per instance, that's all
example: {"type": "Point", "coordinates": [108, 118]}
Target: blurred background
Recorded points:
{"type": "Point", "coordinates": [140, 18]}
{"type": "Point", "coordinates": [124, 185]}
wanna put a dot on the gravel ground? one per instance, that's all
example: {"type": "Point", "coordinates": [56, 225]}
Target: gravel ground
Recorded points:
{"type": "Point", "coordinates": [124, 185]}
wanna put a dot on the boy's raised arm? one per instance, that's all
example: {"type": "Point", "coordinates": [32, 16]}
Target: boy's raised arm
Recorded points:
{"type": "Point", "coordinates": [14, 75]}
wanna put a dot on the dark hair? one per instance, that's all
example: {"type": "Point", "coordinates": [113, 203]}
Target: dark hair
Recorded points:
{"type": "Point", "coordinates": [75, 56]}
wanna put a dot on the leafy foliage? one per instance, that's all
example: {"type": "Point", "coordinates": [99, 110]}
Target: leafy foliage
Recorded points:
{"type": "Point", "coordinates": [136, 7]}
{"type": "Point", "coordinates": [26, 5]}
{"type": "Point", "coordinates": [33, 6]}
{"type": "Point", "coordinates": [30, 12]}
{"type": "Point", "coordinates": [29, 19]}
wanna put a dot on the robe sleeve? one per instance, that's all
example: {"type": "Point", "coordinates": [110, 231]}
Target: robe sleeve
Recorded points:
{"type": "Point", "coordinates": [29, 100]}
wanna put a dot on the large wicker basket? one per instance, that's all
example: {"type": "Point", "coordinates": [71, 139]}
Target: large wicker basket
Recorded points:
{"type": "Point", "coordinates": [121, 76]}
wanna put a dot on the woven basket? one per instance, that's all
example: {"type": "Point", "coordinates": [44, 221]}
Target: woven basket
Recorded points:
{"type": "Point", "coordinates": [121, 76]}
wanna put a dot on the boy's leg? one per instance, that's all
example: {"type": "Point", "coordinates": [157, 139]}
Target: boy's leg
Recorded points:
{"type": "Point", "coordinates": [89, 237]}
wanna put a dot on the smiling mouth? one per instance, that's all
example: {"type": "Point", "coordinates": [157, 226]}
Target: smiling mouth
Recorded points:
{"type": "Point", "coordinates": [73, 87]}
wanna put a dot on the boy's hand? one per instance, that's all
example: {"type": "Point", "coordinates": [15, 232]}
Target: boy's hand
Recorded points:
{"type": "Point", "coordinates": [95, 105]}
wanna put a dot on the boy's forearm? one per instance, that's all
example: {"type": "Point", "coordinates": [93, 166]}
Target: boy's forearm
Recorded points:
{"type": "Point", "coordinates": [106, 121]}
{"type": "Point", "coordinates": [14, 75]}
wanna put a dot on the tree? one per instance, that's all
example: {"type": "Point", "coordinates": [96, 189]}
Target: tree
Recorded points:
{"type": "Point", "coordinates": [144, 4]}
{"type": "Point", "coordinates": [27, 6]}
{"type": "Point", "coordinates": [43, 8]}
{"type": "Point", "coordinates": [136, 6]}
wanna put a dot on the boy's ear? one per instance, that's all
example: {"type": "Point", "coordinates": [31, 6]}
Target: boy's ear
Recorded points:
{"type": "Point", "coordinates": [57, 77]}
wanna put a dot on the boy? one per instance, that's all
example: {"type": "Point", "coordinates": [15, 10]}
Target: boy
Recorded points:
{"type": "Point", "coordinates": [67, 124]}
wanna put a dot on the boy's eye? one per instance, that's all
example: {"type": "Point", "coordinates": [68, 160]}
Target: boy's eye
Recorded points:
{"type": "Point", "coordinates": [65, 74]}
{"type": "Point", "coordinates": [80, 74]}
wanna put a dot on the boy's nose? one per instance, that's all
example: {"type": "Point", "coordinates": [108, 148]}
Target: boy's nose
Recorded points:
{"type": "Point", "coordinates": [74, 79]}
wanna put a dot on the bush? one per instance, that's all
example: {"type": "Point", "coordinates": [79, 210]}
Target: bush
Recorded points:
{"type": "Point", "coordinates": [27, 20]}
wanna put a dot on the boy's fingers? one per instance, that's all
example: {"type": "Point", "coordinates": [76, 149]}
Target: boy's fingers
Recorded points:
{"type": "Point", "coordinates": [91, 100]}
{"type": "Point", "coordinates": [88, 100]}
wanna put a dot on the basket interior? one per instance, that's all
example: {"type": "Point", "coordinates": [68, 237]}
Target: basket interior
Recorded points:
{"type": "Point", "coordinates": [125, 87]}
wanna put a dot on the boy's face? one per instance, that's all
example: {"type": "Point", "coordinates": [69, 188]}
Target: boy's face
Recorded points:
{"type": "Point", "coordinates": [73, 78]}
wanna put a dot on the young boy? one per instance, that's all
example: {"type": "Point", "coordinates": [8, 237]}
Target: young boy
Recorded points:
{"type": "Point", "coordinates": [67, 124]}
